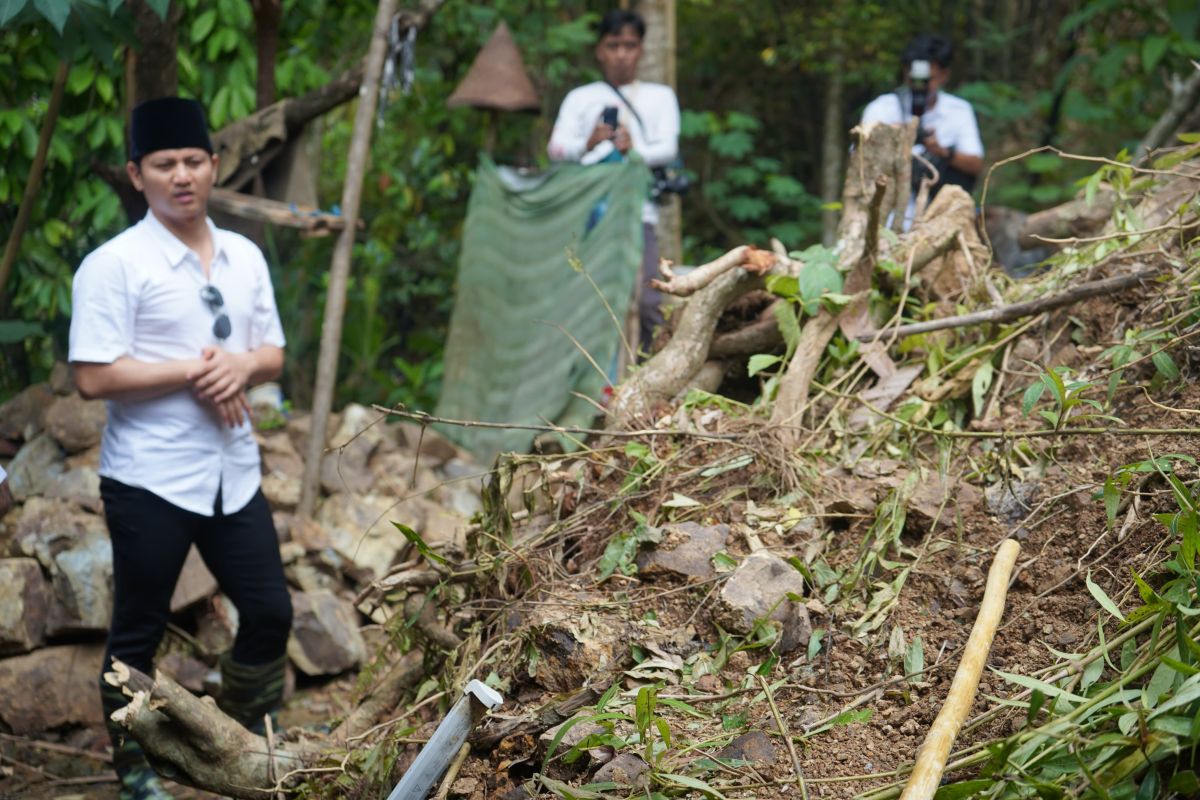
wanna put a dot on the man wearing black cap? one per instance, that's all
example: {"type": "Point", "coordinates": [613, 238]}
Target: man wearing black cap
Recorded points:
{"type": "Point", "coordinates": [948, 136]}
{"type": "Point", "coordinates": [173, 319]}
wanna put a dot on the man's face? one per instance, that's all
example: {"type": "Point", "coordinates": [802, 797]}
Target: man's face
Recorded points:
{"type": "Point", "coordinates": [176, 183]}
{"type": "Point", "coordinates": [618, 54]}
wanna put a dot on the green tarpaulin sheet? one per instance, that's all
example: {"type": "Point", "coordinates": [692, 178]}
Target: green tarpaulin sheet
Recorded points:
{"type": "Point", "coordinates": [522, 297]}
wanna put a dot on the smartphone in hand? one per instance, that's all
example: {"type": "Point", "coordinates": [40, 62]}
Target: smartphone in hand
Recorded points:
{"type": "Point", "coordinates": [609, 117]}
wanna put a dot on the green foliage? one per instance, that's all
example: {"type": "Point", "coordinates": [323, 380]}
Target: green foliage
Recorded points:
{"type": "Point", "coordinates": [1134, 734]}
{"type": "Point", "coordinates": [746, 195]}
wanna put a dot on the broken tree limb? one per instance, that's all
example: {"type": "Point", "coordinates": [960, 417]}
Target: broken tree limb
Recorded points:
{"type": "Point", "coordinates": [1016, 310]}
{"type": "Point", "coordinates": [418, 608]}
{"type": "Point", "coordinates": [931, 760]}
{"type": "Point", "coordinates": [1186, 98]}
{"type": "Point", "coordinates": [383, 698]}
{"type": "Point", "coordinates": [191, 741]}
{"type": "Point", "coordinates": [951, 211]}
{"type": "Point", "coordinates": [670, 369]}
{"type": "Point", "coordinates": [792, 399]}
{"type": "Point", "coordinates": [746, 257]}
{"type": "Point", "coordinates": [1074, 218]}
{"type": "Point", "coordinates": [760, 336]}
{"type": "Point", "coordinates": [261, 209]}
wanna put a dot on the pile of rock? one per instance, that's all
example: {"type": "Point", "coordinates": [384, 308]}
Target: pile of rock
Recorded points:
{"type": "Point", "coordinates": [56, 558]}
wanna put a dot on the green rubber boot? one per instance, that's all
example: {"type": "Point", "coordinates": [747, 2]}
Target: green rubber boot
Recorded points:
{"type": "Point", "coordinates": [250, 692]}
{"type": "Point", "coordinates": [139, 781]}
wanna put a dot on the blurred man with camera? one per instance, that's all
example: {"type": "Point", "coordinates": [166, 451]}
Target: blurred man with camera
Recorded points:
{"type": "Point", "coordinates": [608, 119]}
{"type": "Point", "coordinates": [948, 136]}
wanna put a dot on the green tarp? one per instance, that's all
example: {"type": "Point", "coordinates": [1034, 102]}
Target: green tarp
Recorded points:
{"type": "Point", "coordinates": [520, 292]}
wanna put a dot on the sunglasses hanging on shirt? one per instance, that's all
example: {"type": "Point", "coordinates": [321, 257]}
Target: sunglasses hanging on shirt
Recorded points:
{"type": "Point", "coordinates": [212, 298]}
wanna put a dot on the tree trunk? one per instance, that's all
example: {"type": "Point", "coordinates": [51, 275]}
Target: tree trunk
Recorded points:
{"type": "Point", "coordinates": [339, 271]}
{"type": "Point", "coordinates": [833, 146]}
{"type": "Point", "coordinates": [658, 65]}
{"type": "Point", "coordinates": [194, 742]}
{"type": "Point", "coordinates": [153, 65]}
{"type": "Point", "coordinates": [876, 185]}
{"type": "Point", "coordinates": [13, 246]}
{"type": "Point", "coordinates": [267, 14]}
{"type": "Point", "coordinates": [151, 71]}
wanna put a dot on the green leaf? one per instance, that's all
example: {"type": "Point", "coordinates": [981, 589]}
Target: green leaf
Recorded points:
{"type": "Point", "coordinates": [789, 325]}
{"type": "Point", "coordinates": [761, 361]}
{"type": "Point", "coordinates": [817, 278]}
{"type": "Point", "coordinates": [1112, 499]}
{"type": "Point", "coordinates": [568, 792]}
{"type": "Point", "coordinates": [159, 7]}
{"type": "Point", "coordinates": [55, 12]}
{"type": "Point", "coordinates": [1165, 365]}
{"type": "Point", "coordinates": [962, 789]}
{"type": "Point", "coordinates": [419, 543]}
{"type": "Point", "coordinates": [1049, 689]}
{"type": "Point", "coordinates": [203, 25]}
{"type": "Point", "coordinates": [1153, 49]}
{"type": "Point", "coordinates": [979, 386]}
{"type": "Point", "coordinates": [1149, 787]}
{"type": "Point", "coordinates": [1031, 396]}
{"type": "Point", "coordinates": [814, 642]}
{"type": "Point", "coordinates": [680, 501]}
{"type": "Point", "coordinates": [1184, 783]}
{"type": "Point", "coordinates": [1103, 599]}
{"type": "Point", "coordinates": [689, 782]}
{"type": "Point", "coordinates": [10, 8]}
{"type": "Point", "coordinates": [785, 286]}
{"type": "Point", "coordinates": [16, 330]}
{"type": "Point", "coordinates": [1036, 701]}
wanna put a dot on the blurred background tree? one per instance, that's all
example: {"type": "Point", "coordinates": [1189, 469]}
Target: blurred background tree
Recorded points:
{"type": "Point", "coordinates": [769, 91]}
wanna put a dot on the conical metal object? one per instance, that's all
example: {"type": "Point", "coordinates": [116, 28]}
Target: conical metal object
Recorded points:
{"type": "Point", "coordinates": [497, 80]}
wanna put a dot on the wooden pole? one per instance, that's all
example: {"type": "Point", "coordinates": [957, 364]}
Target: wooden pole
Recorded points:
{"type": "Point", "coordinates": [339, 271]}
{"type": "Point", "coordinates": [931, 760]}
{"type": "Point", "coordinates": [13, 246]}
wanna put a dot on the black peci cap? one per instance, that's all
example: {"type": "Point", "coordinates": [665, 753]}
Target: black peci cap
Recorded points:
{"type": "Point", "coordinates": [167, 123]}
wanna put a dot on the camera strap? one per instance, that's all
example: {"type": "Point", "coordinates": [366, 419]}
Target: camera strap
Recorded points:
{"type": "Point", "coordinates": [632, 110]}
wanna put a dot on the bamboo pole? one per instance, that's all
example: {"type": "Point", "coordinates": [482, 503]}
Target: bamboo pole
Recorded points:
{"type": "Point", "coordinates": [339, 271]}
{"type": "Point", "coordinates": [931, 760]}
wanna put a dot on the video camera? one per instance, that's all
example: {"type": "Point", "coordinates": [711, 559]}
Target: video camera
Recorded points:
{"type": "Point", "coordinates": [668, 180]}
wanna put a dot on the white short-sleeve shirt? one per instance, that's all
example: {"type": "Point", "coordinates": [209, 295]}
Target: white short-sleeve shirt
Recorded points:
{"type": "Point", "coordinates": [138, 295]}
{"type": "Point", "coordinates": [951, 119]}
{"type": "Point", "coordinates": [655, 138]}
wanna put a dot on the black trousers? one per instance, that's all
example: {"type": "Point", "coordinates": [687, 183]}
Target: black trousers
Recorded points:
{"type": "Point", "coordinates": [150, 540]}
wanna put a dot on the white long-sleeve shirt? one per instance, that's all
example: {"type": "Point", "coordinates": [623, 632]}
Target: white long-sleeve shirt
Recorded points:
{"type": "Point", "coordinates": [655, 139]}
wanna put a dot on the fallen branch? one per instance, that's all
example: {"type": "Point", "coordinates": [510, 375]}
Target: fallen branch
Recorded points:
{"type": "Point", "coordinates": [747, 257]}
{"type": "Point", "coordinates": [761, 336]}
{"type": "Point", "coordinates": [383, 698]}
{"type": "Point", "coordinates": [1184, 100]}
{"type": "Point", "coordinates": [418, 607]}
{"type": "Point", "coordinates": [670, 369]}
{"type": "Point", "coordinates": [192, 741]}
{"type": "Point", "coordinates": [1008, 313]}
{"type": "Point", "coordinates": [814, 338]}
{"type": "Point", "coordinates": [422, 417]}
{"type": "Point", "coordinates": [931, 760]}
